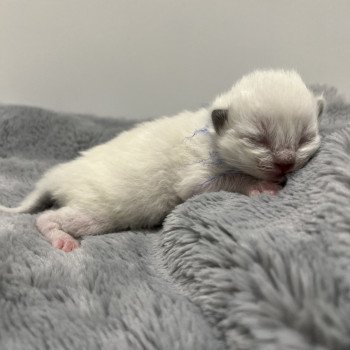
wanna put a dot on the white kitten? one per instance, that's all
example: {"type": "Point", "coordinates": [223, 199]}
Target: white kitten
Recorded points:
{"type": "Point", "coordinates": [249, 138]}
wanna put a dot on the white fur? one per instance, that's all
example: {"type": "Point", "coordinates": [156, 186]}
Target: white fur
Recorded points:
{"type": "Point", "coordinates": [135, 179]}
{"type": "Point", "coordinates": [281, 100]}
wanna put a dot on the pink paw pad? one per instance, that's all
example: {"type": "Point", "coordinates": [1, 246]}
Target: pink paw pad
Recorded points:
{"type": "Point", "coordinates": [67, 244]}
{"type": "Point", "coordinates": [269, 188]}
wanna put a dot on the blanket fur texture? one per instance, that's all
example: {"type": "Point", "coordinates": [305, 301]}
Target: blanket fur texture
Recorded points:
{"type": "Point", "coordinates": [225, 271]}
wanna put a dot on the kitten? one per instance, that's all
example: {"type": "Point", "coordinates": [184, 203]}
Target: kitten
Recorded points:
{"type": "Point", "coordinates": [248, 139]}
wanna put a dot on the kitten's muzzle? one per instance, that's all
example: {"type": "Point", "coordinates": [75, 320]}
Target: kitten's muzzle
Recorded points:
{"type": "Point", "coordinates": [279, 170]}
{"type": "Point", "coordinates": [284, 161]}
{"type": "Point", "coordinates": [283, 168]}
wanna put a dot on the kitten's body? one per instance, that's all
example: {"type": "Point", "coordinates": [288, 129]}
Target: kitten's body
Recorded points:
{"type": "Point", "coordinates": [137, 178]}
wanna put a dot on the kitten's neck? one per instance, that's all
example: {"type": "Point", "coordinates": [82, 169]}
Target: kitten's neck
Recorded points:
{"type": "Point", "coordinates": [202, 142]}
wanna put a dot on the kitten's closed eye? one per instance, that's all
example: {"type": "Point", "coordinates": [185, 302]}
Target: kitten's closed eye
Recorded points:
{"type": "Point", "coordinates": [306, 138]}
{"type": "Point", "coordinates": [256, 140]}
{"type": "Point", "coordinates": [262, 141]}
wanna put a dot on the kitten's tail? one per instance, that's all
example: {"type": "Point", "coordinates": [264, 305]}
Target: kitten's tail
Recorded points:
{"type": "Point", "coordinates": [34, 202]}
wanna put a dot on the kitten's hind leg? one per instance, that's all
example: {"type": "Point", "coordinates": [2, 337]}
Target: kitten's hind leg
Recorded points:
{"type": "Point", "coordinates": [61, 225]}
{"type": "Point", "coordinates": [49, 224]}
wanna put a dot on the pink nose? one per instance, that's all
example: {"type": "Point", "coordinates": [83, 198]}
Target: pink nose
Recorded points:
{"type": "Point", "coordinates": [284, 167]}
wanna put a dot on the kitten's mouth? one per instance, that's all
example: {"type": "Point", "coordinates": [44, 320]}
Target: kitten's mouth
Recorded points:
{"type": "Point", "coordinates": [280, 172]}
{"type": "Point", "coordinates": [276, 176]}
{"type": "Point", "coordinates": [283, 181]}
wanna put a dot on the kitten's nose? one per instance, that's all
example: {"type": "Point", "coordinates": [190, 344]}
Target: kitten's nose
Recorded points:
{"type": "Point", "coordinates": [284, 167]}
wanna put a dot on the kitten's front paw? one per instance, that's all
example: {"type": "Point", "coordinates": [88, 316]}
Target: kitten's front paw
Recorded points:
{"type": "Point", "coordinates": [265, 187]}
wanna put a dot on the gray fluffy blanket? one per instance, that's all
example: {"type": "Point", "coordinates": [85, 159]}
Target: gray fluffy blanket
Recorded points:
{"type": "Point", "coordinates": [224, 272]}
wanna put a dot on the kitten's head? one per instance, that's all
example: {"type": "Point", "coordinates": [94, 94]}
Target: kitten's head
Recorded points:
{"type": "Point", "coordinates": [267, 124]}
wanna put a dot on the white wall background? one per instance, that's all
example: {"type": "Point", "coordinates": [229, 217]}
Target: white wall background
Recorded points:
{"type": "Point", "coordinates": [152, 57]}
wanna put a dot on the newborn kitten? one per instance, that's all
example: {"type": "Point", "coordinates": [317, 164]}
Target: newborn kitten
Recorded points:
{"type": "Point", "coordinates": [245, 142]}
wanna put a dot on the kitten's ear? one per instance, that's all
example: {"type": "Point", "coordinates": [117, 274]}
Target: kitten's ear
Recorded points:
{"type": "Point", "coordinates": [320, 105]}
{"type": "Point", "coordinates": [219, 118]}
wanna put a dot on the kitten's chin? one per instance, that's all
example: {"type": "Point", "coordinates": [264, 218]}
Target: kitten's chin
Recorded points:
{"type": "Point", "coordinates": [279, 179]}
{"type": "Point", "coordinates": [271, 176]}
